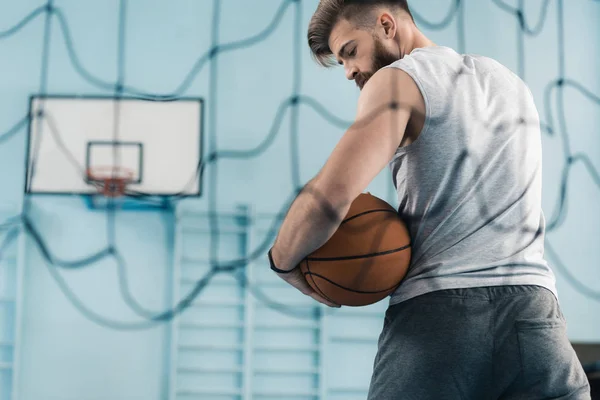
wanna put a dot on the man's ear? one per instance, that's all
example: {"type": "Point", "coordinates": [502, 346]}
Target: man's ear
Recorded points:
{"type": "Point", "coordinates": [387, 23]}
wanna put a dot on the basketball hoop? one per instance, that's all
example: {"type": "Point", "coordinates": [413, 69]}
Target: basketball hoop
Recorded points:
{"type": "Point", "coordinates": [110, 180]}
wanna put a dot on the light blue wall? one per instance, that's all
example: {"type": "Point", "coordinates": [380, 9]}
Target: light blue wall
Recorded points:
{"type": "Point", "coordinates": [65, 356]}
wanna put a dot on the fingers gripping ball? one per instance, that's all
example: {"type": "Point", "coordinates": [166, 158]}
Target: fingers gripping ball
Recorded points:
{"type": "Point", "coordinates": [365, 259]}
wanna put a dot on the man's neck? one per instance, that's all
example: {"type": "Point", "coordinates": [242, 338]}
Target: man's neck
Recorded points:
{"type": "Point", "coordinates": [416, 39]}
{"type": "Point", "coordinates": [420, 40]}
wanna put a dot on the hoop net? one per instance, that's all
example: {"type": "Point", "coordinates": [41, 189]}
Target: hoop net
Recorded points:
{"type": "Point", "coordinates": [110, 181]}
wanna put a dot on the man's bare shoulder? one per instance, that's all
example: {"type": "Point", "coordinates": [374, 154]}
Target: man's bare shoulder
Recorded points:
{"type": "Point", "coordinates": [390, 87]}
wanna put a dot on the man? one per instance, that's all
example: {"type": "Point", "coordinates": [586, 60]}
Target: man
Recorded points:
{"type": "Point", "coordinates": [477, 315]}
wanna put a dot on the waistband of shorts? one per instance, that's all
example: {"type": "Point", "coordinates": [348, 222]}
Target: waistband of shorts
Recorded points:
{"type": "Point", "coordinates": [491, 292]}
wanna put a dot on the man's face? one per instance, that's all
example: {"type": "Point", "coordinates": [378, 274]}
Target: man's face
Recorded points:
{"type": "Point", "coordinates": [359, 51]}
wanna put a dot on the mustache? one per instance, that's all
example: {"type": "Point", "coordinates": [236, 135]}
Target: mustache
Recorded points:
{"type": "Point", "coordinates": [362, 78]}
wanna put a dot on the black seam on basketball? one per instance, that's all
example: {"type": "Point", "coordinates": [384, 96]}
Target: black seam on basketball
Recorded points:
{"type": "Point", "coordinates": [369, 212]}
{"type": "Point", "coordinates": [315, 283]}
{"type": "Point", "coordinates": [380, 253]}
{"type": "Point", "coordinates": [348, 289]}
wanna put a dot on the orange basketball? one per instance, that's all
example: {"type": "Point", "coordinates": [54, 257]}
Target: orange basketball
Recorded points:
{"type": "Point", "coordinates": [365, 259]}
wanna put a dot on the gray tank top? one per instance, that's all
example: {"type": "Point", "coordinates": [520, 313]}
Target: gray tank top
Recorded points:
{"type": "Point", "coordinates": [469, 187]}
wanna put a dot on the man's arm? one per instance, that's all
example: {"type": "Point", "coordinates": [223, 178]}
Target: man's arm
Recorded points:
{"type": "Point", "coordinates": [384, 108]}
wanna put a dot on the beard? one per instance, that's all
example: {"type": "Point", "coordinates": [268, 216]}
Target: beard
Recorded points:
{"type": "Point", "coordinates": [379, 59]}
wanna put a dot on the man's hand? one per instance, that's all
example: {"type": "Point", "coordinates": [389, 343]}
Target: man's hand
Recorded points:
{"type": "Point", "coordinates": [297, 280]}
{"type": "Point", "coordinates": [294, 277]}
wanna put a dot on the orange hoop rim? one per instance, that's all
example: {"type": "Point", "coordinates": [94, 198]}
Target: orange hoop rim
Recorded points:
{"type": "Point", "coordinates": [110, 180]}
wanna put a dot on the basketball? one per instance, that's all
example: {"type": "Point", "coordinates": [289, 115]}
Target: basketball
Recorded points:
{"type": "Point", "coordinates": [365, 259]}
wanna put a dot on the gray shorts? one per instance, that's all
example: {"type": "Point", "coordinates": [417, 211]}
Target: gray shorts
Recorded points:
{"type": "Point", "coordinates": [504, 342]}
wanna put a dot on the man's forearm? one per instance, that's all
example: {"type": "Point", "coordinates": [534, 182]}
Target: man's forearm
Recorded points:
{"type": "Point", "coordinates": [311, 220]}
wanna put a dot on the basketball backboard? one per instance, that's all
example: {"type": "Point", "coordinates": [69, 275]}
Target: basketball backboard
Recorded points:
{"type": "Point", "coordinates": [157, 143]}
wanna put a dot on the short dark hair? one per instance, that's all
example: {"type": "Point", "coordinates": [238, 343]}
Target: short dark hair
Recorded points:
{"type": "Point", "coordinates": [330, 12]}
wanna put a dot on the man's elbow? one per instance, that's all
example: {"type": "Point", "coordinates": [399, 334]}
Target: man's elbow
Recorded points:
{"type": "Point", "coordinates": [334, 197]}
